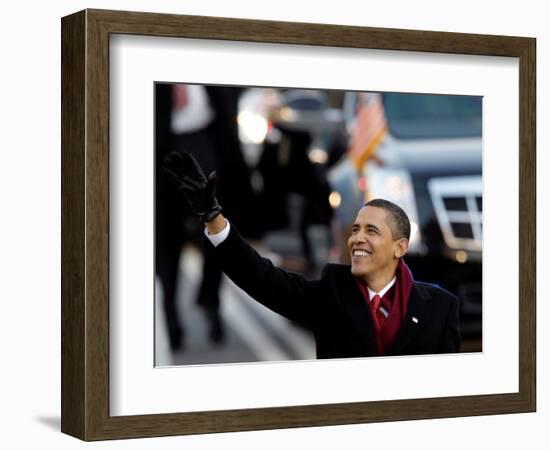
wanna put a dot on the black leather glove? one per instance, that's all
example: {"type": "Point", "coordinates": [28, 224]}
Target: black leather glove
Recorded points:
{"type": "Point", "coordinates": [199, 191]}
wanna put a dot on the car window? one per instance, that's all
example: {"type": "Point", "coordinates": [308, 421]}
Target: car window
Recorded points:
{"type": "Point", "coordinates": [433, 116]}
{"type": "Point", "coordinates": [306, 104]}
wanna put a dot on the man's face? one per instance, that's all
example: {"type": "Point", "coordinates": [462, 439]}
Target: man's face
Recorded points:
{"type": "Point", "coordinates": [373, 251]}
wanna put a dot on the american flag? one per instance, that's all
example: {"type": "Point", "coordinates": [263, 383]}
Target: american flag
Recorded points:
{"type": "Point", "coordinates": [370, 128]}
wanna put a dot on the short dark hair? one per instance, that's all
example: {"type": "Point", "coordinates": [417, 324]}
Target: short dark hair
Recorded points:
{"type": "Point", "coordinates": [399, 223]}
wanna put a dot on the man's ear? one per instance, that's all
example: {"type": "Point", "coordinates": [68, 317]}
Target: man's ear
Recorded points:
{"type": "Point", "coordinates": [401, 248]}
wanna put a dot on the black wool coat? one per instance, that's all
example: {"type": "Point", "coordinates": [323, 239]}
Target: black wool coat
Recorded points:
{"type": "Point", "coordinates": [333, 307]}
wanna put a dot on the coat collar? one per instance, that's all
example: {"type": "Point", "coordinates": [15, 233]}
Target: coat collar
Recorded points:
{"type": "Point", "coordinates": [414, 320]}
{"type": "Point", "coordinates": [354, 304]}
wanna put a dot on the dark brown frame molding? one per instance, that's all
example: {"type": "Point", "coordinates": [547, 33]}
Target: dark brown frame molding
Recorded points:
{"type": "Point", "coordinates": [85, 224]}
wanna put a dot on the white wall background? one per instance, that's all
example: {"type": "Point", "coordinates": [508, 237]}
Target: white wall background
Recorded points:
{"type": "Point", "coordinates": [30, 222]}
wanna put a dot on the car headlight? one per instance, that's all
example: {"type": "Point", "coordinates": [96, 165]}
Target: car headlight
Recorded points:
{"type": "Point", "coordinates": [396, 186]}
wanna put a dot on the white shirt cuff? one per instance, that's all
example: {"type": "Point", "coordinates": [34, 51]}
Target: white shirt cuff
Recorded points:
{"type": "Point", "coordinates": [218, 238]}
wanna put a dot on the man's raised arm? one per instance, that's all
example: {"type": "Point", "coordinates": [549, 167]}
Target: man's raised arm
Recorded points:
{"type": "Point", "coordinates": [285, 293]}
{"type": "Point", "coordinates": [200, 192]}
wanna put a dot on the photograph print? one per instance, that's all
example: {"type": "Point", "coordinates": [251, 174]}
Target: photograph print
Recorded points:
{"type": "Point", "coordinates": [305, 224]}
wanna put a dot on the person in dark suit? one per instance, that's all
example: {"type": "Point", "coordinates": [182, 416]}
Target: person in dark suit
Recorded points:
{"type": "Point", "coordinates": [372, 307]}
{"type": "Point", "coordinates": [201, 120]}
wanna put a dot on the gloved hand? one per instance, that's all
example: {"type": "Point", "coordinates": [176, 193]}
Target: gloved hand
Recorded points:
{"type": "Point", "coordinates": [199, 191]}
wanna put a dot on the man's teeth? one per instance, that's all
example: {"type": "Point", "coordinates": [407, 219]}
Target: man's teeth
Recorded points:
{"type": "Point", "coordinates": [360, 253]}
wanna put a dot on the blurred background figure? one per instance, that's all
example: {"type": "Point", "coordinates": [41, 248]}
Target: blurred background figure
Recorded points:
{"type": "Point", "coordinates": [202, 121]}
{"type": "Point", "coordinates": [303, 138]}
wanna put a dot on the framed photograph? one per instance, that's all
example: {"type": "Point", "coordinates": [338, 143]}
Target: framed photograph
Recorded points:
{"type": "Point", "coordinates": [455, 111]}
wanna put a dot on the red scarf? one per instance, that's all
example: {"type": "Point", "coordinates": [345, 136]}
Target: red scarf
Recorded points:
{"type": "Point", "coordinates": [395, 301]}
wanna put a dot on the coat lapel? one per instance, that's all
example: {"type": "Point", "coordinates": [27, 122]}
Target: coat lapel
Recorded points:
{"type": "Point", "coordinates": [414, 320]}
{"type": "Point", "coordinates": [354, 304]}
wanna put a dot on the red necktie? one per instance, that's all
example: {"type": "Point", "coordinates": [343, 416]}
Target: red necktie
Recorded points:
{"type": "Point", "coordinates": [375, 307]}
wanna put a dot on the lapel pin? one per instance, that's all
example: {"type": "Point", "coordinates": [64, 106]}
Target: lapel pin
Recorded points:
{"type": "Point", "coordinates": [415, 320]}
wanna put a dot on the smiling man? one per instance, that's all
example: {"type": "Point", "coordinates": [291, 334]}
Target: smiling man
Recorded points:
{"type": "Point", "coordinates": [379, 238]}
{"type": "Point", "coordinates": [372, 308]}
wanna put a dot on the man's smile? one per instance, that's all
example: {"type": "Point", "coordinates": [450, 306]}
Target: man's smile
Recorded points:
{"type": "Point", "coordinates": [360, 252]}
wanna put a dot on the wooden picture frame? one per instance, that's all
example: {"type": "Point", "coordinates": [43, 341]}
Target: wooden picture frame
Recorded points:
{"type": "Point", "coordinates": [85, 224]}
